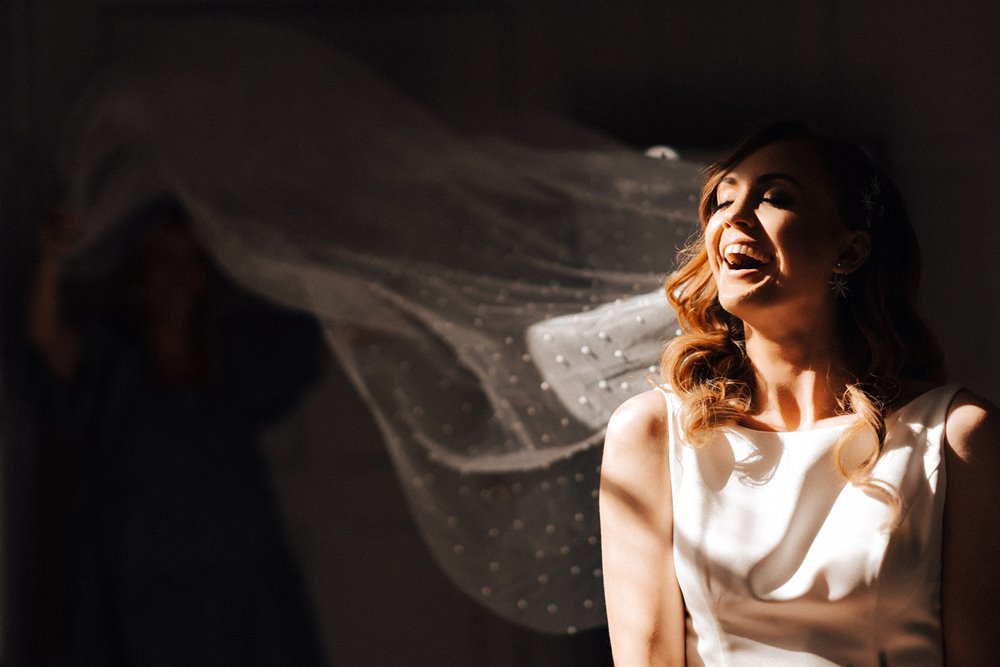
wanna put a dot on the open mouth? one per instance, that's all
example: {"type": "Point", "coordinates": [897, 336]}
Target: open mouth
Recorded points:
{"type": "Point", "coordinates": [740, 256]}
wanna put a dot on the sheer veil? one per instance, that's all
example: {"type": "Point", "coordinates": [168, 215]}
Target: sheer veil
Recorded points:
{"type": "Point", "coordinates": [492, 302]}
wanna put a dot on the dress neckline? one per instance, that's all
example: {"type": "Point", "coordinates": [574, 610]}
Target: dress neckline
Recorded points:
{"type": "Point", "coordinates": [892, 416]}
{"type": "Point", "coordinates": [805, 431]}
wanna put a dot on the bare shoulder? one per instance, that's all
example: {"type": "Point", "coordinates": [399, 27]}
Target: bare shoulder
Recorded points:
{"type": "Point", "coordinates": [635, 467]}
{"type": "Point", "coordinates": [972, 428]}
{"type": "Point", "coordinates": [639, 422]}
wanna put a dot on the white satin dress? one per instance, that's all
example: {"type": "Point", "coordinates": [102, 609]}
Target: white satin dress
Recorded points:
{"type": "Point", "coordinates": [781, 562]}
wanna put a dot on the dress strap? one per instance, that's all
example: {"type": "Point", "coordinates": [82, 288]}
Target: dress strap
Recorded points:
{"type": "Point", "coordinates": [949, 393]}
{"type": "Point", "coordinates": [668, 413]}
{"type": "Point", "coordinates": [666, 392]}
{"type": "Point", "coordinates": [932, 406]}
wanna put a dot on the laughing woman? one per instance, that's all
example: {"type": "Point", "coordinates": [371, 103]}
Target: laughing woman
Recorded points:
{"type": "Point", "coordinates": [804, 489]}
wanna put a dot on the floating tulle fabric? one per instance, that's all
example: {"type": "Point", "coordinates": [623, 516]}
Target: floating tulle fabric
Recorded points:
{"type": "Point", "coordinates": [492, 302]}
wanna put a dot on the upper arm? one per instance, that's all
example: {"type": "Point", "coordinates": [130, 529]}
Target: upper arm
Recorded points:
{"type": "Point", "coordinates": [645, 611]}
{"type": "Point", "coordinates": [970, 580]}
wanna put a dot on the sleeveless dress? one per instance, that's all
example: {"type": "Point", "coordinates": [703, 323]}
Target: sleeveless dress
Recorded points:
{"type": "Point", "coordinates": [780, 561]}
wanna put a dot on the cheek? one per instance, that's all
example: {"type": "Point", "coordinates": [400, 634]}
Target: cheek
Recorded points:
{"type": "Point", "coordinates": [801, 242]}
{"type": "Point", "coordinates": [808, 252]}
{"type": "Point", "coordinates": [710, 241]}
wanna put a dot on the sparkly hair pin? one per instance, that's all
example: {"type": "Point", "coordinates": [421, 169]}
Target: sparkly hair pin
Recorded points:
{"type": "Point", "coordinates": [871, 199]}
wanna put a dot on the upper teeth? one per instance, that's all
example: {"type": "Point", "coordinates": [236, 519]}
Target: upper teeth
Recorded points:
{"type": "Point", "coordinates": [733, 249]}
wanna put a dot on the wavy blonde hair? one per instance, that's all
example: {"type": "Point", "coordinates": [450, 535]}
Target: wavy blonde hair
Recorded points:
{"type": "Point", "coordinates": [707, 365]}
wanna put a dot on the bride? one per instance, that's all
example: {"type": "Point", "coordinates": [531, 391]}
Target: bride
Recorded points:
{"type": "Point", "coordinates": [804, 490]}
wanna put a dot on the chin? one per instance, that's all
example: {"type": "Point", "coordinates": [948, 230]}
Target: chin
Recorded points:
{"type": "Point", "coordinates": [744, 303]}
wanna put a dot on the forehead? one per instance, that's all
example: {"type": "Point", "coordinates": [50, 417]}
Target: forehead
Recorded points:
{"type": "Point", "coordinates": [796, 158]}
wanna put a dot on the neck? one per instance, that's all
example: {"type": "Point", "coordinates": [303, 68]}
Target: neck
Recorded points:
{"type": "Point", "coordinates": [800, 375]}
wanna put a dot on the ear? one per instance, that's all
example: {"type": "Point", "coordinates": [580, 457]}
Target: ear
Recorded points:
{"type": "Point", "coordinates": [855, 252]}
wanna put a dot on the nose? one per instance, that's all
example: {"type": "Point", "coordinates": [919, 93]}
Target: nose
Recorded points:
{"type": "Point", "coordinates": [742, 212]}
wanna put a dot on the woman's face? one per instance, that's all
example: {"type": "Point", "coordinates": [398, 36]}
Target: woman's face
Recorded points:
{"type": "Point", "coordinates": [777, 234]}
{"type": "Point", "coordinates": [174, 272]}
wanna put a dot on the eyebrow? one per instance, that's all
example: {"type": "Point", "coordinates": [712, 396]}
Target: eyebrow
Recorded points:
{"type": "Point", "coordinates": [765, 178]}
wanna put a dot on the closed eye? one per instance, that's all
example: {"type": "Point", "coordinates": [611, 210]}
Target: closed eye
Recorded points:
{"type": "Point", "coordinates": [777, 202]}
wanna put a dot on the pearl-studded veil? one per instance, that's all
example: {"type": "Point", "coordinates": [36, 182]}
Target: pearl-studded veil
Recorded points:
{"type": "Point", "coordinates": [493, 303]}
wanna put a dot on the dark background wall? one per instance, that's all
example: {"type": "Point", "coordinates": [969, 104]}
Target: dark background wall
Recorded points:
{"type": "Point", "coordinates": [916, 81]}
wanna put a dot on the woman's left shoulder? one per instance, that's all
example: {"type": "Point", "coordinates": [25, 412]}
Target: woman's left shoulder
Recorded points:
{"type": "Point", "coordinates": [972, 427]}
